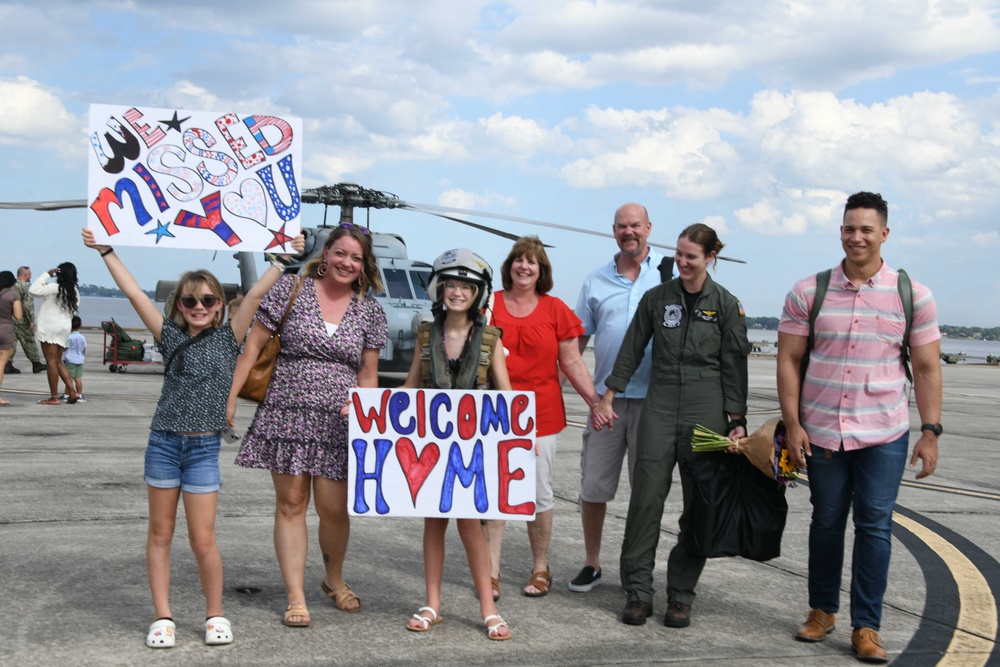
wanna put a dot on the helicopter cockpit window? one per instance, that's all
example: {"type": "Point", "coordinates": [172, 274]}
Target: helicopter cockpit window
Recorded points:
{"type": "Point", "coordinates": [420, 280]}
{"type": "Point", "coordinates": [396, 284]}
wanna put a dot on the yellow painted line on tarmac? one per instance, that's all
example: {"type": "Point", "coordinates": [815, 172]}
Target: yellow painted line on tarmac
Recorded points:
{"type": "Point", "coordinates": [975, 635]}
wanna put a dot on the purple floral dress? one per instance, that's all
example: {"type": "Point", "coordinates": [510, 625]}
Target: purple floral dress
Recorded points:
{"type": "Point", "coordinates": [298, 428]}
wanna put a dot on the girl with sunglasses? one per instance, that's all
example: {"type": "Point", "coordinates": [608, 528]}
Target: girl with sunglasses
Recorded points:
{"type": "Point", "coordinates": [182, 456]}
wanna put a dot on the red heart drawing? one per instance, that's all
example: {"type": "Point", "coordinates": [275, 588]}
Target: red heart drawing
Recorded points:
{"type": "Point", "coordinates": [416, 468]}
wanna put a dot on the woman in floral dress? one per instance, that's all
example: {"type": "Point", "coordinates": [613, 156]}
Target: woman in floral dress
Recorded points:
{"type": "Point", "coordinates": [329, 344]}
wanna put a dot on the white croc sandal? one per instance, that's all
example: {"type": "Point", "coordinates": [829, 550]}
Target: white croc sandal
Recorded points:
{"type": "Point", "coordinates": [218, 630]}
{"type": "Point", "coordinates": [161, 634]}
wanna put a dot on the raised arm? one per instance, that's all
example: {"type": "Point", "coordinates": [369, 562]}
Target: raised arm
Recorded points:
{"type": "Point", "coordinates": [150, 315]}
{"type": "Point", "coordinates": [244, 316]}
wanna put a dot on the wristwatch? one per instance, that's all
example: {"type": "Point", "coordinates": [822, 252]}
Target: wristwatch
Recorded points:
{"type": "Point", "coordinates": [936, 429]}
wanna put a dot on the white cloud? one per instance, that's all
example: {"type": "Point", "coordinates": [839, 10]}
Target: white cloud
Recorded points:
{"type": "Point", "coordinates": [458, 198]}
{"type": "Point", "coordinates": [35, 115]}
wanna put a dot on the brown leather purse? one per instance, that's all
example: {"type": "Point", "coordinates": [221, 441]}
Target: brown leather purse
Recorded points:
{"type": "Point", "coordinates": [255, 387]}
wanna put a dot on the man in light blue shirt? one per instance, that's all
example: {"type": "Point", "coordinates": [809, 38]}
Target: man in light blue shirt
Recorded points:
{"type": "Point", "coordinates": [608, 300]}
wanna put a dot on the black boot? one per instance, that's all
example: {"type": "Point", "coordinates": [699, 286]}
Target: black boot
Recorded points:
{"type": "Point", "coordinates": [37, 367]}
{"type": "Point", "coordinates": [10, 370]}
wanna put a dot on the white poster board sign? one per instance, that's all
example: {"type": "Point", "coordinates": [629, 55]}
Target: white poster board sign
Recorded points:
{"type": "Point", "coordinates": [438, 453]}
{"type": "Point", "coordinates": [193, 179]}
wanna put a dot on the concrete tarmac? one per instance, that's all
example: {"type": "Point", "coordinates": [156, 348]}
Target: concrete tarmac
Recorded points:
{"type": "Point", "coordinates": [73, 587]}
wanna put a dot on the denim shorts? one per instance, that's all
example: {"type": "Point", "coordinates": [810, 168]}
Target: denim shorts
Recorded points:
{"type": "Point", "coordinates": [188, 461]}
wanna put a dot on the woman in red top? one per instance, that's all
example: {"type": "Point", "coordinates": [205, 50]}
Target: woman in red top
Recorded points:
{"type": "Point", "coordinates": [540, 339]}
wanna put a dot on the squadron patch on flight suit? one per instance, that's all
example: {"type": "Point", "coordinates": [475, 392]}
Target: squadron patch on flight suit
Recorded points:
{"type": "Point", "coordinates": [707, 315]}
{"type": "Point", "coordinates": [672, 316]}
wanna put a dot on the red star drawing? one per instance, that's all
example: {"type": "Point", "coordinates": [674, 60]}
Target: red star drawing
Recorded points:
{"type": "Point", "coordinates": [280, 238]}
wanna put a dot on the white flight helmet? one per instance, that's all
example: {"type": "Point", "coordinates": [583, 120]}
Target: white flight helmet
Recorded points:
{"type": "Point", "coordinates": [463, 264]}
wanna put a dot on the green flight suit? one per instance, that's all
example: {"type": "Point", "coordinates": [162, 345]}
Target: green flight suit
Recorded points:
{"type": "Point", "coordinates": [23, 331]}
{"type": "Point", "coordinates": [699, 374]}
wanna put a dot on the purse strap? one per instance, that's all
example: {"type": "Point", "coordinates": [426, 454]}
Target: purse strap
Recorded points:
{"type": "Point", "coordinates": [205, 333]}
{"type": "Point", "coordinates": [296, 288]}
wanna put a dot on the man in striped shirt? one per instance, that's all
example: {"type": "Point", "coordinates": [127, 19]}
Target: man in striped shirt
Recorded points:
{"type": "Point", "coordinates": [847, 420]}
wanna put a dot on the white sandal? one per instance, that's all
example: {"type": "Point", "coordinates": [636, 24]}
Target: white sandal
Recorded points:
{"type": "Point", "coordinates": [218, 630]}
{"type": "Point", "coordinates": [493, 631]}
{"type": "Point", "coordinates": [161, 634]}
{"type": "Point", "coordinates": [425, 623]}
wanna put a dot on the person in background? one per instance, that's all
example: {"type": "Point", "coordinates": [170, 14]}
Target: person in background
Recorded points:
{"type": "Point", "coordinates": [60, 299]}
{"type": "Point", "coordinates": [10, 311]}
{"type": "Point", "coordinates": [182, 454]}
{"type": "Point", "coordinates": [235, 304]}
{"type": "Point", "coordinates": [25, 329]}
{"type": "Point", "coordinates": [76, 349]}
{"type": "Point", "coordinates": [848, 420]}
{"type": "Point", "coordinates": [540, 338]}
{"type": "Point", "coordinates": [329, 344]}
{"type": "Point", "coordinates": [458, 350]}
{"type": "Point", "coordinates": [608, 300]}
{"type": "Point", "coordinates": [699, 376]}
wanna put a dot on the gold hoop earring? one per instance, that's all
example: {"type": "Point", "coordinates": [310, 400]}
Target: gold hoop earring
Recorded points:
{"type": "Point", "coordinates": [321, 269]}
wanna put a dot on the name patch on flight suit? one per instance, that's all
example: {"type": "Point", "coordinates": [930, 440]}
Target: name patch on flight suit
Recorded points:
{"type": "Point", "coordinates": [672, 316]}
{"type": "Point", "coordinates": [706, 315]}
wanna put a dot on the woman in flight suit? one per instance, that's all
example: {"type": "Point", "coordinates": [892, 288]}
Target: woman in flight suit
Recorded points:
{"type": "Point", "coordinates": [699, 376]}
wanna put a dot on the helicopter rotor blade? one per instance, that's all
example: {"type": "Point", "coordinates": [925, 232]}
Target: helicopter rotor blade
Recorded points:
{"type": "Point", "coordinates": [433, 210]}
{"type": "Point", "coordinates": [484, 228]}
{"type": "Point", "coordinates": [45, 205]}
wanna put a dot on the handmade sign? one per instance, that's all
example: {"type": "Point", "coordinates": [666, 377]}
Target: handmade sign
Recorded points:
{"type": "Point", "coordinates": [193, 179]}
{"type": "Point", "coordinates": [437, 453]}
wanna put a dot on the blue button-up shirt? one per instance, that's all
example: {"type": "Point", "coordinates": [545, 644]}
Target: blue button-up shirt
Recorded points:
{"type": "Point", "coordinates": [607, 302]}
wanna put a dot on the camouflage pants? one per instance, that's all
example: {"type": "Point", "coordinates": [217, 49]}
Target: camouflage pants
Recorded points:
{"type": "Point", "coordinates": [27, 339]}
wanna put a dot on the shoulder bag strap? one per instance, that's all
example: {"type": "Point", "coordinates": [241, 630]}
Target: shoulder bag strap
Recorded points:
{"type": "Point", "coordinates": [822, 285]}
{"type": "Point", "coordinates": [905, 288]}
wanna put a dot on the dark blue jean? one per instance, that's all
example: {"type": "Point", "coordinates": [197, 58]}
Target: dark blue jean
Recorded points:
{"type": "Point", "coordinates": [869, 480]}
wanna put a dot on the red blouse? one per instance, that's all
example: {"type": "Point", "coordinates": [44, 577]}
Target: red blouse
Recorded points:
{"type": "Point", "coordinates": [532, 346]}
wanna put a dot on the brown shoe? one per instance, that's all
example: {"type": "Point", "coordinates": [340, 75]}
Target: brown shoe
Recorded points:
{"type": "Point", "coordinates": [678, 615]}
{"type": "Point", "coordinates": [868, 645]}
{"type": "Point", "coordinates": [636, 612]}
{"type": "Point", "coordinates": [817, 626]}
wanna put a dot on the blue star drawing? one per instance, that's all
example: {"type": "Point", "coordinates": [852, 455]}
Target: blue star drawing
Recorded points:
{"type": "Point", "coordinates": [160, 231]}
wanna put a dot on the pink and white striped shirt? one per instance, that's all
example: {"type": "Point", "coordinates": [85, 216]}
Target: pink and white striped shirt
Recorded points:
{"type": "Point", "coordinates": [855, 388]}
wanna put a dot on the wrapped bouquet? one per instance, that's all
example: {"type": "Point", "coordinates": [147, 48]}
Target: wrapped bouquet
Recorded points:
{"type": "Point", "coordinates": [765, 448]}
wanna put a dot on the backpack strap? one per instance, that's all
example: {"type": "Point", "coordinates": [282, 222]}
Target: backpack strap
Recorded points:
{"type": "Point", "coordinates": [822, 285]}
{"type": "Point", "coordinates": [905, 288]}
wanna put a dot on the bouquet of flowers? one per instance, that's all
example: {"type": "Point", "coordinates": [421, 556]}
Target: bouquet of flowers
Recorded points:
{"type": "Point", "coordinates": [765, 448]}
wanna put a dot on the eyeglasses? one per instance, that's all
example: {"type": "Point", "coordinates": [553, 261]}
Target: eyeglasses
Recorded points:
{"type": "Point", "coordinates": [468, 288]}
{"type": "Point", "coordinates": [363, 230]}
{"type": "Point", "coordinates": [191, 301]}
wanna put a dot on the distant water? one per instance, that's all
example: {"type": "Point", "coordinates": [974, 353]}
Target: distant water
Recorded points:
{"type": "Point", "coordinates": [975, 350]}
{"type": "Point", "coordinates": [97, 309]}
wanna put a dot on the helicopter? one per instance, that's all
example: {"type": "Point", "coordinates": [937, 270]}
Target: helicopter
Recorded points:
{"type": "Point", "coordinates": [404, 297]}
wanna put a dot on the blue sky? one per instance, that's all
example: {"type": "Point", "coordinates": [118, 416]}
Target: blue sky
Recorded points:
{"type": "Point", "coordinates": [756, 118]}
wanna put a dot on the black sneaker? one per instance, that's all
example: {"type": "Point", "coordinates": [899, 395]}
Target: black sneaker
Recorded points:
{"type": "Point", "coordinates": [586, 580]}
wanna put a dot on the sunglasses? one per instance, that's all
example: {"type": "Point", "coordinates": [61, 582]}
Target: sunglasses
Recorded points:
{"type": "Point", "coordinates": [207, 300]}
{"type": "Point", "coordinates": [363, 230]}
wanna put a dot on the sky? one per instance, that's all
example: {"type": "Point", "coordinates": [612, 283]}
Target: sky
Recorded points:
{"type": "Point", "coordinates": [756, 118]}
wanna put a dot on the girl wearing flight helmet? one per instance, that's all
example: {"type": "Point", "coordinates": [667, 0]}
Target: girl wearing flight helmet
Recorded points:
{"type": "Point", "coordinates": [458, 350]}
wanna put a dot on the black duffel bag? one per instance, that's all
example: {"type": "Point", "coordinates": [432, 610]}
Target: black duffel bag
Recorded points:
{"type": "Point", "coordinates": [736, 510]}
